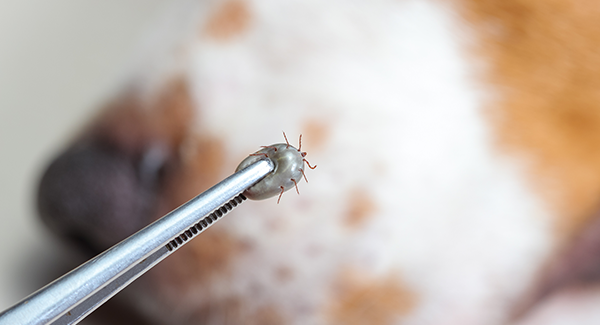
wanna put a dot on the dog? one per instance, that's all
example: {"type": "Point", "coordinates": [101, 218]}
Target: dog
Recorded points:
{"type": "Point", "coordinates": [458, 176]}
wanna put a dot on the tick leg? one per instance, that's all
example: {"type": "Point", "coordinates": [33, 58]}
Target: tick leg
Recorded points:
{"type": "Point", "coordinates": [296, 184]}
{"type": "Point", "coordinates": [279, 198]}
{"type": "Point", "coordinates": [300, 144]}
{"type": "Point", "coordinates": [302, 171]}
{"type": "Point", "coordinates": [259, 154]}
{"type": "Point", "coordinates": [309, 166]}
{"type": "Point", "coordinates": [286, 141]}
{"type": "Point", "coordinates": [270, 147]}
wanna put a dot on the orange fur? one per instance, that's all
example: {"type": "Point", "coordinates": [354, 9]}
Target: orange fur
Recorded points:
{"type": "Point", "coordinates": [231, 19]}
{"type": "Point", "coordinates": [545, 65]}
{"type": "Point", "coordinates": [361, 208]}
{"type": "Point", "coordinates": [378, 301]}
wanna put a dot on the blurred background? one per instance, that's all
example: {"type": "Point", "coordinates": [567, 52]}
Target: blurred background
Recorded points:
{"type": "Point", "coordinates": [59, 59]}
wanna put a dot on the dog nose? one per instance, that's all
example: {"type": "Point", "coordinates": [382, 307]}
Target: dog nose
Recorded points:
{"type": "Point", "coordinates": [96, 195]}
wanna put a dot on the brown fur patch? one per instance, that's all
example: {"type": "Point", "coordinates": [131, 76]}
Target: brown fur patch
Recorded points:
{"type": "Point", "coordinates": [361, 207]}
{"type": "Point", "coordinates": [232, 311]}
{"type": "Point", "coordinates": [265, 316]}
{"type": "Point", "coordinates": [284, 274]}
{"type": "Point", "coordinates": [230, 19]}
{"type": "Point", "coordinates": [546, 66]}
{"type": "Point", "coordinates": [315, 134]}
{"type": "Point", "coordinates": [376, 301]}
{"type": "Point", "coordinates": [130, 123]}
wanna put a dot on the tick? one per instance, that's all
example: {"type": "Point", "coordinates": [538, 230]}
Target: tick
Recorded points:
{"type": "Point", "coordinates": [289, 169]}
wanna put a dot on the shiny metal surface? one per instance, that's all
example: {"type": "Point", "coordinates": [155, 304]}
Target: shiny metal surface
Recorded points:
{"type": "Point", "coordinates": [73, 296]}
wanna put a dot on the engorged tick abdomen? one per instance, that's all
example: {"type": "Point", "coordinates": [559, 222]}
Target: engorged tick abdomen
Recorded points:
{"type": "Point", "coordinates": [289, 164]}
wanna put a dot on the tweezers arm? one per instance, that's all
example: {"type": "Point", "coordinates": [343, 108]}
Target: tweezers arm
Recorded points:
{"type": "Point", "coordinates": [73, 296]}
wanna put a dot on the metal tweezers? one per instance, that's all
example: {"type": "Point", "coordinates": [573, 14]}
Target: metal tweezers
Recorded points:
{"type": "Point", "coordinates": [70, 298]}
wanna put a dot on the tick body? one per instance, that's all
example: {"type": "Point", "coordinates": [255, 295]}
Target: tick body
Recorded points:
{"type": "Point", "coordinates": [288, 171]}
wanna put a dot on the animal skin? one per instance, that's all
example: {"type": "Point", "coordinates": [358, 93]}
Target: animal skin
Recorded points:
{"type": "Point", "coordinates": [457, 144]}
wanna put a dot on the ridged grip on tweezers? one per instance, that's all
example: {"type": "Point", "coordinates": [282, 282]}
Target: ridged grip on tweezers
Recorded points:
{"type": "Point", "coordinates": [76, 294]}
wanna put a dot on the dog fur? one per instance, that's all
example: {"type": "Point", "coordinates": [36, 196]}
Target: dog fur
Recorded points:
{"type": "Point", "coordinates": [456, 141]}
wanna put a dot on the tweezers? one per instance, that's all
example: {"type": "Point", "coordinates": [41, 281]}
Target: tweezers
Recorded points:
{"type": "Point", "coordinates": [70, 298]}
